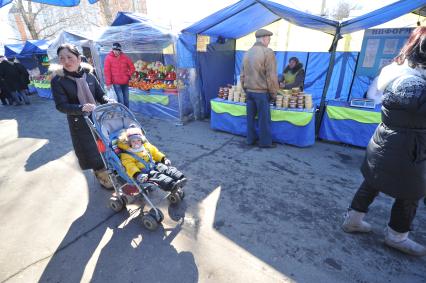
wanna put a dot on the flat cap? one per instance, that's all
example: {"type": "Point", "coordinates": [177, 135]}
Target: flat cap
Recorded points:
{"type": "Point", "coordinates": [262, 33]}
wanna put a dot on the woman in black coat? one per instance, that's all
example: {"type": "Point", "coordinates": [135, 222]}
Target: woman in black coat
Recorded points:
{"type": "Point", "coordinates": [24, 75]}
{"type": "Point", "coordinates": [65, 78]}
{"type": "Point", "coordinates": [11, 78]}
{"type": "Point", "coordinates": [395, 161]}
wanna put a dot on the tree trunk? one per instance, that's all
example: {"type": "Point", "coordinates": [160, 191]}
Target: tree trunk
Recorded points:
{"type": "Point", "coordinates": [106, 11]}
{"type": "Point", "coordinates": [28, 17]}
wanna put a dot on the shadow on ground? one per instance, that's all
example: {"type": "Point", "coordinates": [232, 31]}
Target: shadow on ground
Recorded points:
{"type": "Point", "coordinates": [283, 206]}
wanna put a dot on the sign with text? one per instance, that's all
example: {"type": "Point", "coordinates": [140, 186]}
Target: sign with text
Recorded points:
{"type": "Point", "coordinates": [379, 48]}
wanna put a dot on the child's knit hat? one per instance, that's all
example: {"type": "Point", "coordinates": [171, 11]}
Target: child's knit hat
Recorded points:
{"type": "Point", "coordinates": [133, 133]}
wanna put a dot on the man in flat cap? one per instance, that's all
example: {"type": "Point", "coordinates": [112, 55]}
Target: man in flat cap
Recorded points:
{"type": "Point", "coordinates": [259, 79]}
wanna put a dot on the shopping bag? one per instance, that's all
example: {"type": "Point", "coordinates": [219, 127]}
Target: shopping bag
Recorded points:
{"type": "Point", "coordinates": [111, 94]}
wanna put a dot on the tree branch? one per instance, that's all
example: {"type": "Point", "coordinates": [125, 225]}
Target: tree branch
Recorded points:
{"type": "Point", "coordinates": [63, 20]}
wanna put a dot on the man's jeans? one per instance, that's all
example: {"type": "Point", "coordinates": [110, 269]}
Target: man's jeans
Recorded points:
{"type": "Point", "coordinates": [258, 104]}
{"type": "Point", "coordinates": [122, 92]}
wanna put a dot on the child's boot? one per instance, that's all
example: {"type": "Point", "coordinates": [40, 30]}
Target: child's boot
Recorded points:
{"type": "Point", "coordinates": [401, 242]}
{"type": "Point", "coordinates": [354, 222]}
{"type": "Point", "coordinates": [179, 184]}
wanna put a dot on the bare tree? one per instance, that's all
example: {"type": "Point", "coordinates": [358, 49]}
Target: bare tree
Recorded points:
{"type": "Point", "coordinates": [106, 11]}
{"type": "Point", "coordinates": [29, 16]}
{"type": "Point", "coordinates": [343, 9]}
{"type": "Point", "coordinates": [40, 19]}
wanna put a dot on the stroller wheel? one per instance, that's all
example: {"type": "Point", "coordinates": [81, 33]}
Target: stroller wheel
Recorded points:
{"type": "Point", "coordinates": [160, 214]}
{"type": "Point", "coordinates": [174, 198]}
{"type": "Point", "coordinates": [116, 203]}
{"type": "Point", "coordinates": [149, 222]}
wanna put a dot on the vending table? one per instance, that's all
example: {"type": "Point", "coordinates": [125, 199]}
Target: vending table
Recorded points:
{"type": "Point", "coordinates": [43, 89]}
{"type": "Point", "coordinates": [154, 103]}
{"type": "Point", "coordinates": [290, 126]}
{"type": "Point", "coordinates": [346, 124]}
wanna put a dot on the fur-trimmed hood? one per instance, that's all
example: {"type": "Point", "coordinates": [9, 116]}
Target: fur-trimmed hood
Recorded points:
{"type": "Point", "coordinates": [394, 71]}
{"type": "Point", "coordinates": [58, 70]}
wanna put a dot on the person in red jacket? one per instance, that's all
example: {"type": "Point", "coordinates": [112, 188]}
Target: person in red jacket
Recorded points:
{"type": "Point", "coordinates": [118, 69]}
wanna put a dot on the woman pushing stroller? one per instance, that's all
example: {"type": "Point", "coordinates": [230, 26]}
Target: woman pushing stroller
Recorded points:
{"type": "Point", "coordinates": [145, 163]}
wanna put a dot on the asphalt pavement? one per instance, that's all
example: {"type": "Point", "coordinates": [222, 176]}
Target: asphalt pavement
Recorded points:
{"type": "Point", "coordinates": [249, 215]}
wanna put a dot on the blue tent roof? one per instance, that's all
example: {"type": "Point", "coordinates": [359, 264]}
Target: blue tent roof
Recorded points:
{"type": "Point", "coordinates": [64, 3]}
{"type": "Point", "coordinates": [13, 49]}
{"type": "Point", "coordinates": [125, 18]}
{"type": "Point", "coordinates": [381, 15]}
{"type": "Point", "coordinates": [247, 16]}
{"type": "Point", "coordinates": [34, 47]}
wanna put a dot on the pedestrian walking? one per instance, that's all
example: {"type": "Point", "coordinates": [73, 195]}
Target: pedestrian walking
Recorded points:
{"type": "Point", "coordinates": [5, 97]}
{"type": "Point", "coordinates": [118, 70]}
{"type": "Point", "coordinates": [259, 79]}
{"type": "Point", "coordinates": [395, 160]}
{"type": "Point", "coordinates": [12, 79]}
{"type": "Point", "coordinates": [24, 77]}
{"type": "Point", "coordinates": [76, 91]}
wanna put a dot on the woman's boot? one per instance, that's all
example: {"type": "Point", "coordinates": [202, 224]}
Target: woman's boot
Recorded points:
{"type": "Point", "coordinates": [353, 222]}
{"type": "Point", "coordinates": [103, 178]}
{"type": "Point", "coordinates": [401, 242]}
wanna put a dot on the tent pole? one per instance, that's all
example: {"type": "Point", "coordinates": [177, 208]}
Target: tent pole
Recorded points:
{"type": "Point", "coordinates": [333, 48]}
{"type": "Point", "coordinates": [353, 78]}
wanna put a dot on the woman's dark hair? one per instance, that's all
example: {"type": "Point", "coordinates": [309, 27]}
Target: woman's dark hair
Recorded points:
{"type": "Point", "coordinates": [71, 48]}
{"type": "Point", "coordinates": [294, 59]}
{"type": "Point", "coordinates": [296, 68]}
{"type": "Point", "coordinates": [414, 49]}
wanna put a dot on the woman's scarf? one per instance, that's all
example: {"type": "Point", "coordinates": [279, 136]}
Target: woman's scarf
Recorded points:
{"type": "Point", "coordinates": [83, 91]}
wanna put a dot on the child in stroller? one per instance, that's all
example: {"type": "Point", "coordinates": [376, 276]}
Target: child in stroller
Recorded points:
{"type": "Point", "coordinates": [146, 164]}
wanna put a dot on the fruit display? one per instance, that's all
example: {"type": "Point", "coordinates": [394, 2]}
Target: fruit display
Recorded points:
{"type": "Point", "coordinates": [42, 79]}
{"type": "Point", "coordinates": [154, 76]}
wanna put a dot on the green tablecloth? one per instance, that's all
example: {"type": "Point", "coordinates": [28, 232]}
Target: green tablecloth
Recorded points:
{"type": "Point", "coordinates": [346, 113]}
{"type": "Point", "coordinates": [295, 117]}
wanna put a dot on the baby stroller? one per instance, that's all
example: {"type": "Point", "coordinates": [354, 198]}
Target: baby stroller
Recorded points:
{"type": "Point", "coordinates": [109, 120]}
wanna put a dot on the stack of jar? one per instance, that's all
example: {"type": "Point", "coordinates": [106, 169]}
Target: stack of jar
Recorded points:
{"type": "Point", "coordinates": [308, 101]}
{"type": "Point", "coordinates": [223, 92]}
{"type": "Point", "coordinates": [293, 98]}
{"type": "Point", "coordinates": [237, 94]}
{"type": "Point", "coordinates": [279, 101]}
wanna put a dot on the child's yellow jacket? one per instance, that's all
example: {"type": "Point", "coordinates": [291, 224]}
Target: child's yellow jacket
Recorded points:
{"type": "Point", "coordinates": [131, 164]}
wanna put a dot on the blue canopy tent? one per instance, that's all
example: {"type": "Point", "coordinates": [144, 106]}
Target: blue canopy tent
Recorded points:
{"type": "Point", "coordinates": [12, 50]}
{"type": "Point", "coordinates": [143, 39]}
{"type": "Point", "coordinates": [32, 47]}
{"type": "Point", "coordinates": [29, 53]}
{"type": "Point", "coordinates": [33, 53]}
{"type": "Point", "coordinates": [63, 3]}
{"type": "Point", "coordinates": [247, 16]}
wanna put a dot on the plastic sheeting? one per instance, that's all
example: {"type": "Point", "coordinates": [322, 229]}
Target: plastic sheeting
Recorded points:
{"type": "Point", "coordinates": [76, 38]}
{"type": "Point", "coordinates": [143, 39]}
{"type": "Point", "coordinates": [143, 36]}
